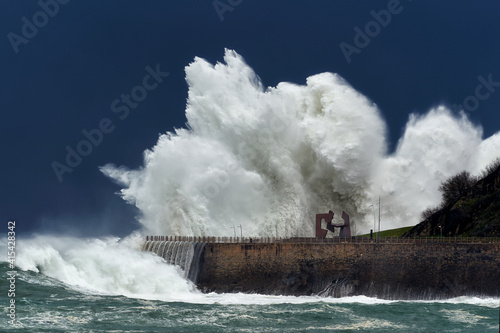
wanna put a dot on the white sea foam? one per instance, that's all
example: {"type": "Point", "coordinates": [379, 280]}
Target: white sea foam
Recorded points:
{"type": "Point", "coordinates": [490, 302]}
{"type": "Point", "coordinates": [103, 266]}
{"type": "Point", "coordinates": [246, 299]}
{"type": "Point", "coordinates": [271, 158]}
{"type": "Point", "coordinates": [462, 316]}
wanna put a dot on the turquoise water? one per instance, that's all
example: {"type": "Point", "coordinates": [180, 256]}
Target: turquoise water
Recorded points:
{"type": "Point", "coordinates": [44, 304]}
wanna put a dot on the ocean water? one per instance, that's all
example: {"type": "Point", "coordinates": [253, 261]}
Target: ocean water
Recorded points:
{"type": "Point", "coordinates": [44, 304]}
{"type": "Point", "coordinates": [108, 285]}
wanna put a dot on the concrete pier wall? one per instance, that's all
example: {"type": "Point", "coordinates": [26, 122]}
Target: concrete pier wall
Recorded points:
{"type": "Point", "coordinates": [391, 271]}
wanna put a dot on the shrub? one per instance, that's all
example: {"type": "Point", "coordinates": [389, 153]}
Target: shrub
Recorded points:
{"type": "Point", "coordinates": [490, 168]}
{"type": "Point", "coordinates": [429, 212]}
{"type": "Point", "coordinates": [454, 187]}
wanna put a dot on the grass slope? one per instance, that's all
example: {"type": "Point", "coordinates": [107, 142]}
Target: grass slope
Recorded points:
{"type": "Point", "coordinates": [390, 233]}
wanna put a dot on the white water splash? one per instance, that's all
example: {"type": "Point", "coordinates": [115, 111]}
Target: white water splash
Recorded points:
{"type": "Point", "coordinates": [104, 266]}
{"type": "Point", "coordinates": [269, 159]}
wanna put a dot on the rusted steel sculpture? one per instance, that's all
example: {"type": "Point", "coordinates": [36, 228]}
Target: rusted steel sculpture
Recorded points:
{"type": "Point", "coordinates": [345, 229]}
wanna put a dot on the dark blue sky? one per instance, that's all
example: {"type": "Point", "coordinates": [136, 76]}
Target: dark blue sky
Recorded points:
{"type": "Point", "coordinates": [62, 78]}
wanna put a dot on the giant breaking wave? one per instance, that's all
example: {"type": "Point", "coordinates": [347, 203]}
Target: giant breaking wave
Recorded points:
{"type": "Point", "coordinates": [269, 159]}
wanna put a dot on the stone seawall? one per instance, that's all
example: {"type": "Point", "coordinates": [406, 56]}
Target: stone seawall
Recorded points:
{"type": "Point", "coordinates": [391, 271]}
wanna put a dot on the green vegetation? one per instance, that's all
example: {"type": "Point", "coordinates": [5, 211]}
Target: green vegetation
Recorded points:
{"type": "Point", "coordinates": [390, 233]}
{"type": "Point", "coordinates": [470, 207]}
{"type": "Point", "coordinates": [455, 187]}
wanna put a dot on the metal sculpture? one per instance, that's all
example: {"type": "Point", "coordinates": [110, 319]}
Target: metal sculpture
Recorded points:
{"type": "Point", "coordinates": [345, 229]}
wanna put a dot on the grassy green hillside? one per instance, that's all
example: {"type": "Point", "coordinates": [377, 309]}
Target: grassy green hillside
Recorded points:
{"type": "Point", "coordinates": [390, 233]}
{"type": "Point", "coordinates": [476, 213]}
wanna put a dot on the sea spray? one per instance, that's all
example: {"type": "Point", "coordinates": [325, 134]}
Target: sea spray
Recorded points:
{"type": "Point", "coordinates": [269, 159]}
{"type": "Point", "coordinates": [104, 266]}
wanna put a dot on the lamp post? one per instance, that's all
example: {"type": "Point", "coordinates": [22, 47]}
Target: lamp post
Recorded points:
{"type": "Point", "coordinates": [378, 235]}
{"type": "Point", "coordinates": [234, 229]}
{"type": "Point", "coordinates": [241, 231]}
{"type": "Point", "coordinates": [374, 222]}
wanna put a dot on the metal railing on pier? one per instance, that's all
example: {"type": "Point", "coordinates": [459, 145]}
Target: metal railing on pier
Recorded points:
{"type": "Point", "coordinates": [355, 239]}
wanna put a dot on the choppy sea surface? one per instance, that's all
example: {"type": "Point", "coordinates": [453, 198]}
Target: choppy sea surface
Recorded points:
{"type": "Point", "coordinates": [44, 304]}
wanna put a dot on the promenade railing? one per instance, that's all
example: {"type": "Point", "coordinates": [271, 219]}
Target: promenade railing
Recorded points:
{"type": "Point", "coordinates": [355, 239]}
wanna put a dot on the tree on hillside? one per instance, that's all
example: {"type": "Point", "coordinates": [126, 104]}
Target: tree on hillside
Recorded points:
{"type": "Point", "coordinates": [451, 190]}
{"type": "Point", "coordinates": [490, 168]}
{"type": "Point", "coordinates": [430, 211]}
{"type": "Point", "coordinates": [454, 187]}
